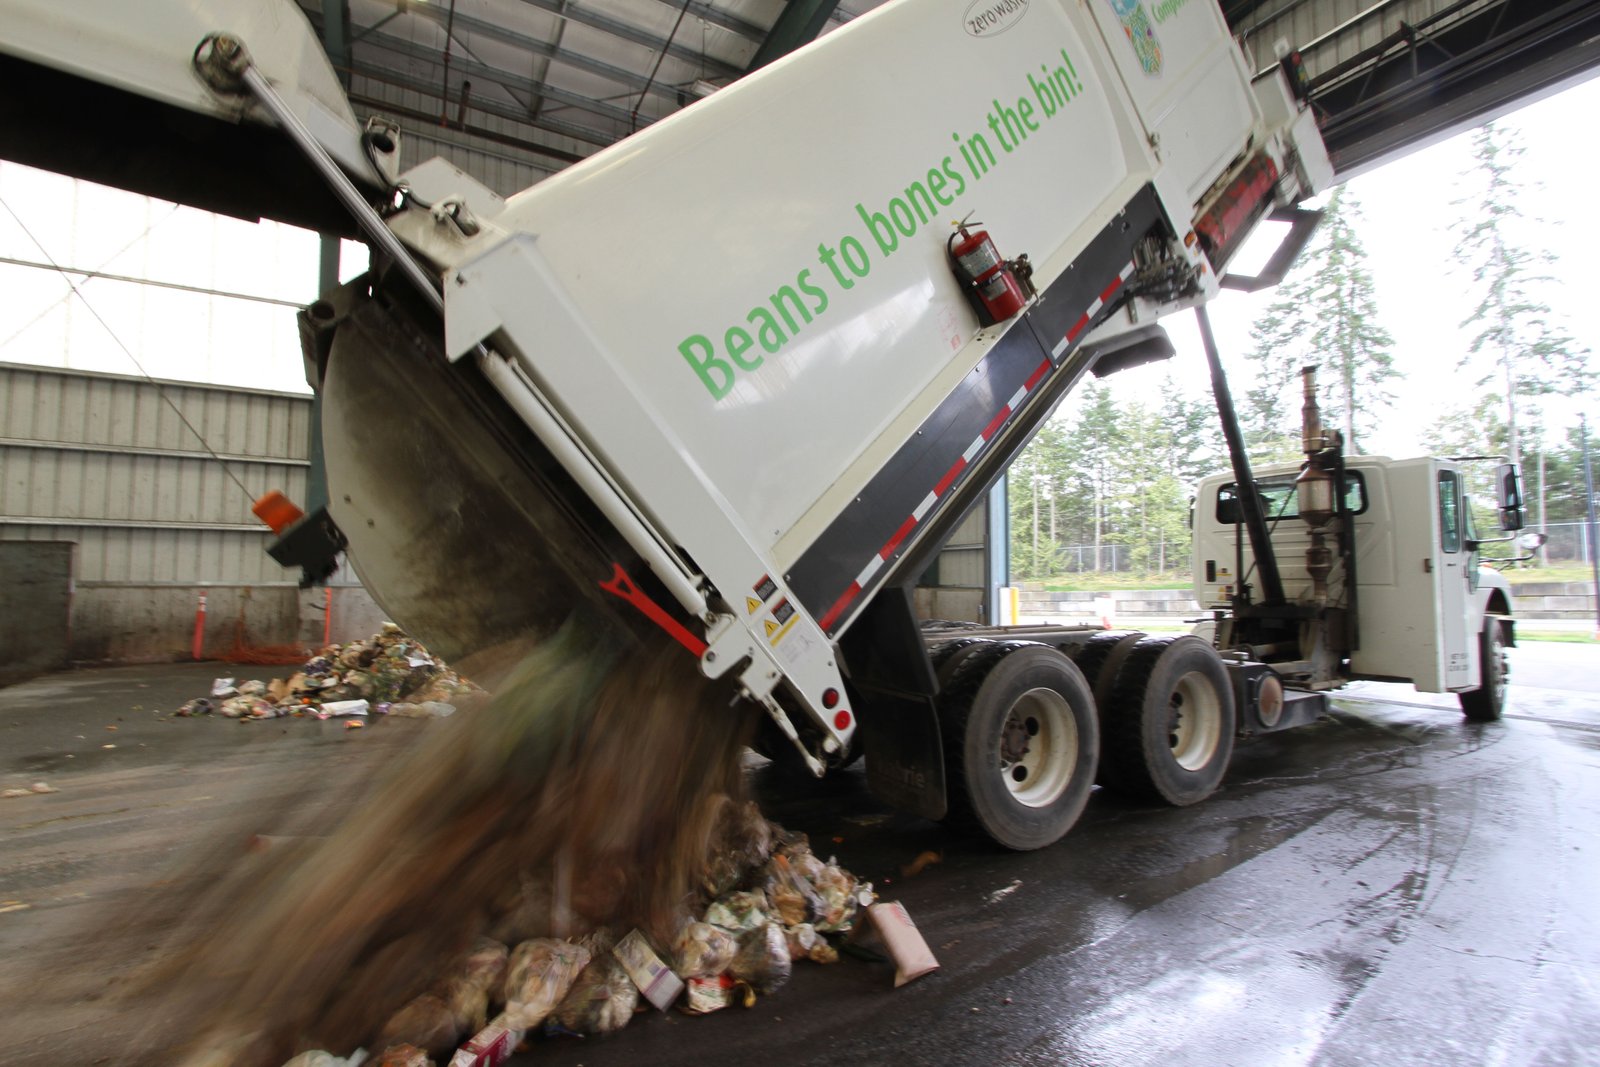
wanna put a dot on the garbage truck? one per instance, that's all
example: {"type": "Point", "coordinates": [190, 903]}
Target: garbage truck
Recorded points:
{"type": "Point", "coordinates": [739, 375]}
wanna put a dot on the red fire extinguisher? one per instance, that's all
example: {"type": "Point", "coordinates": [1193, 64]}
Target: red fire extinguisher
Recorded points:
{"type": "Point", "coordinates": [984, 273]}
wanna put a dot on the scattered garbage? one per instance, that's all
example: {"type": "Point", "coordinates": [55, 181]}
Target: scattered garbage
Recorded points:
{"type": "Point", "coordinates": [703, 950]}
{"type": "Point", "coordinates": [538, 976]}
{"type": "Point", "coordinates": [318, 1058]}
{"type": "Point", "coordinates": [763, 959]}
{"type": "Point", "coordinates": [490, 1046]}
{"type": "Point", "coordinates": [601, 1000]}
{"type": "Point", "coordinates": [904, 943]}
{"type": "Point", "coordinates": [655, 982]}
{"type": "Point", "coordinates": [389, 673]}
{"type": "Point", "coordinates": [778, 905]}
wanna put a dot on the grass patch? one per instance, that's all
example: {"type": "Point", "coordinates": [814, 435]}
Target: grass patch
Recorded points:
{"type": "Point", "coordinates": [1560, 572]}
{"type": "Point", "coordinates": [1096, 583]}
{"type": "Point", "coordinates": [1565, 637]}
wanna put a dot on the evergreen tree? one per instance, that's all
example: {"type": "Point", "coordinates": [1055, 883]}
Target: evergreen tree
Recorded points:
{"type": "Point", "coordinates": [1517, 346]}
{"type": "Point", "coordinates": [1325, 313]}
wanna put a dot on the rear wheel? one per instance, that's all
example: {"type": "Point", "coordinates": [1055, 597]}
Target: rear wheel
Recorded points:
{"type": "Point", "coordinates": [1487, 703]}
{"type": "Point", "coordinates": [1020, 743]}
{"type": "Point", "coordinates": [1170, 722]}
{"type": "Point", "coordinates": [948, 657]}
{"type": "Point", "coordinates": [1100, 659]}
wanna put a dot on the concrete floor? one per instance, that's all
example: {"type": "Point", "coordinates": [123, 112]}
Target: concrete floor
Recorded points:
{"type": "Point", "coordinates": [1390, 885]}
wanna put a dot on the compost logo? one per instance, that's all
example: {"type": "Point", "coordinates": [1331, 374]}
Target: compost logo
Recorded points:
{"type": "Point", "coordinates": [987, 18]}
{"type": "Point", "coordinates": [1141, 34]}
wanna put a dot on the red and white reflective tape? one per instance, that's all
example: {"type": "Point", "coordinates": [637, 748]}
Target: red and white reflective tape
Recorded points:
{"type": "Point", "coordinates": [1094, 309]}
{"type": "Point", "coordinates": [920, 512]}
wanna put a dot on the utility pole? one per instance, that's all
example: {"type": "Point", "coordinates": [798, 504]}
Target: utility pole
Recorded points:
{"type": "Point", "coordinates": [1588, 500]}
{"type": "Point", "coordinates": [1034, 563]}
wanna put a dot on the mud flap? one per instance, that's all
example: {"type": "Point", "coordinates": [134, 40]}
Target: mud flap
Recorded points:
{"type": "Point", "coordinates": [905, 760]}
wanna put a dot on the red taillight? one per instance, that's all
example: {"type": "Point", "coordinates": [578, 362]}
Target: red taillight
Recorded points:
{"type": "Point", "coordinates": [841, 721]}
{"type": "Point", "coordinates": [830, 698]}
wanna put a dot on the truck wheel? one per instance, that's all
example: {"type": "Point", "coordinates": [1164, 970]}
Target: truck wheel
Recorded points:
{"type": "Point", "coordinates": [1020, 743]}
{"type": "Point", "coordinates": [948, 657]}
{"type": "Point", "coordinates": [1100, 659]}
{"type": "Point", "coordinates": [1487, 703]}
{"type": "Point", "coordinates": [1169, 725]}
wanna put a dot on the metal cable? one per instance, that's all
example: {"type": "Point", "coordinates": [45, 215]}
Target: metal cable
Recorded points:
{"type": "Point", "coordinates": [114, 257]}
{"type": "Point", "coordinates": [65, 276]}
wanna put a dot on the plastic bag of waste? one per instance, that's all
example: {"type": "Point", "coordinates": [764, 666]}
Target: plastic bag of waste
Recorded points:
{"type": "Point", "coordinates": [428, 709]}
{"type": "Point", "coordinates": [403, 1056]}
{"type": "Point", "coordinates": [843, 898]}
{"type": "Point", "coordinates": [739, 912]}
{"type": "Point", "coordinates": [222, 688]}
{"type": "Point", "coordinates": [801, 938]}
{"type": "Point", "coordinates": [763, 958]}
{"type": "Point", "coordinates": [602, 999]}
{"type": "Point", "coordinates": [319, 1058]}
{"type": "Point", "coordinates": [428, 1022]}
{"type": "Point", "coordinates": [792, 897]}
{"type": "Point", "coordinates": [706, 995]}
{"type": "Point", "coordinates": [703, 950]}
{"type": "Point", "coordinates": [743, 841]}
{"type": "Point", "coordinates": [195, 707]}
{"type": "Point", "coordinates": [252, 688]}
{"type": "Point", "coordinates": [538, 977]}
{"type": "Point", "coordinates": [475, 979]}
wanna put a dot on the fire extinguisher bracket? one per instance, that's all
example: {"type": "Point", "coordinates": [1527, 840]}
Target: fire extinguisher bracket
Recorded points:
{"type": "Point", "coordinates": [990, 281]}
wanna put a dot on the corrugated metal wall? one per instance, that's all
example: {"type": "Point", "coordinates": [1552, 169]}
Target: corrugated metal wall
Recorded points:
{"type": "Point", "coordinates": [106, 462]}
{"type": "Point", "coordinates": [963, 582]}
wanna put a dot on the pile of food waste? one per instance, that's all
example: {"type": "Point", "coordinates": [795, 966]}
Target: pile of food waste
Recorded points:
{"type": "Point", "coordinates": [387, 673]}
{"type": "Point", "coordinates": [574, 850]}
{"type": "Point", "coordinates": [778, 904]}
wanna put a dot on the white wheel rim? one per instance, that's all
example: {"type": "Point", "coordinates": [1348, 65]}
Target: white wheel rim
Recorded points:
{"type": "Point", "coordinates": [1038, 747]}
{"type": "Point", "coordinates": [1194, 723]}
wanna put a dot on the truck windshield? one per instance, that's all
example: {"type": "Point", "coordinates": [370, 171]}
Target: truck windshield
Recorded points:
{"type": "Point", "coordinates": [1278, 498]}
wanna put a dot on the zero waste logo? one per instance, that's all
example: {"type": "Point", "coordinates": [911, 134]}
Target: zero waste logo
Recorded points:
{"type": "Point", "coordinates": [988, 18]}
{"type": "Point", "coordinates": [1136, 24]}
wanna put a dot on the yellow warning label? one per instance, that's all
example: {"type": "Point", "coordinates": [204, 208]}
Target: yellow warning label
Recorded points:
{"type": "Point", "coordinates": [771, 626]}
{"type": "Point", "coordinates": [776, 633]}
{"type": "Point", "coordinates": [751, 605]}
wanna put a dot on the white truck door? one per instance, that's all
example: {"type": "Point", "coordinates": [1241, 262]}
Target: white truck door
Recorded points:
{"type": "Point", "coordinates": [1455, 563]}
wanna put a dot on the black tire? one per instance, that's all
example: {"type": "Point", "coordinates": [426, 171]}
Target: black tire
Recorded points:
{"type": "Point", "coordinates": [1170, 722]}
{"type": "Point", "coordinates": [1020, 744]}
{"type": "Point", "coordinates": [1487, 703]}
{"type": "Point", "coordinates": [1100, 659]}
{"type": "Point", "coordinates": [948, 657]}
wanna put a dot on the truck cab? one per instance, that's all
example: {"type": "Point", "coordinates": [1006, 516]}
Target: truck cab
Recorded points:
{"type": "Point", "coordinates": [1421, 608]}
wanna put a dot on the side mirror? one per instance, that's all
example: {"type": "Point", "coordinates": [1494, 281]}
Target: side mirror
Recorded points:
{"type": "Point", "coordinates": [1531, 540]}
{"type": "Point", "coordinates": [1510, 493]}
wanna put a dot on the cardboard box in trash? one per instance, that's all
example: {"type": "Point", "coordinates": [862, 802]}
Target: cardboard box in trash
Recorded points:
{"type": "Point", "coordinates": [489, 1047]}
{"type": "Point", "coordinates": [901, 939]}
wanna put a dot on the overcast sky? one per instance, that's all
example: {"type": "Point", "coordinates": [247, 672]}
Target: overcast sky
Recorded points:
{"type": "Point", "coordinates": [1410, 236]}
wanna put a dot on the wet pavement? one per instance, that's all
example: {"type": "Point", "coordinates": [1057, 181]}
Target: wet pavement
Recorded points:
{"type": "Point", "coordinates": [1389, 885]}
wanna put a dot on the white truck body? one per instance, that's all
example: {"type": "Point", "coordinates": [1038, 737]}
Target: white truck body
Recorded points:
{"type": "Point", "coordinates": [1422, 597]}
{"type": "Point", "coordinates": [745, 318]}
{"type": "Point", "coordinates": [732, 350]}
